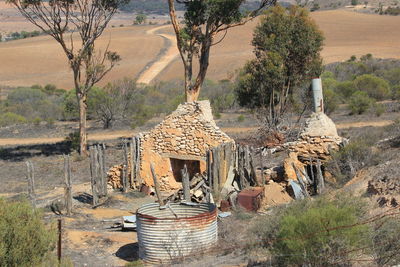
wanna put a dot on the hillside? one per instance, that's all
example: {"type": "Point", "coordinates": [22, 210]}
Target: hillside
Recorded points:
{"type": "Point", "coordinates": [39, 60]}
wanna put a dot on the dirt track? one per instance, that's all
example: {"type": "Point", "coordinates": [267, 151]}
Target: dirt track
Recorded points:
{"type": "Point", "coordinates": [166, 57]}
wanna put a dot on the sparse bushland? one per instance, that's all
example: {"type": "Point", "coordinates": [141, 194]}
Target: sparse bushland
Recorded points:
{"type": "Point", "coordinates": [322, 231]}
{"type": "Point", "coordinates": [32, 104]}
{"type": "Point", "coordinates": [362, 82]}
{"type": "Point", "coordinates": [24, 238]}
{"type": "Point", "coordinates": [360, 102]}
{"type": "Point", "coordinates": [120, 102]}
{"type": "Point", "coordinates": [345, 163]}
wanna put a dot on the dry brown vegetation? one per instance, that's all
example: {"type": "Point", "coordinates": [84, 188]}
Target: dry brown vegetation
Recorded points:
{"type": "Point", "coordinates": [39, 60]}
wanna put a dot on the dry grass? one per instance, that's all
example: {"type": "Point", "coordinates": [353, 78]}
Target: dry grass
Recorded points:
{"type": "Point", "coordinates": [39, 60]}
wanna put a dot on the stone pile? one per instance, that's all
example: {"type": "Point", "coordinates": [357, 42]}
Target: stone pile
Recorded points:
{"type": "Point", "coordinates": [315, 147]}
{"type": "Point", "coordinates": [317, 141]}
{"type": "Point", "coordinates": [114, 176]}
{"type": "Point", "coordinates": [388, 190]}
{"type": "Point", "coordinates": [190, 130]}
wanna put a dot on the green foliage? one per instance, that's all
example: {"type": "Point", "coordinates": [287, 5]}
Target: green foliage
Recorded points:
{"type": "Point", "coordinates": [221, 94]}
{"type": "Point", "coordinates": [141, 116]}
{"type": "Point", "coordinates": [345, 89]}
{"type": "Point", "coordinates": [241, 118]}
{"type": "Point", "coordinates": [74, 138]}
{"type": "Point", "coordinates": [137, 263]}
{"type": "Point", "coordinates": [301, 233]}
{"type": "Point", "coordinates": [374, 86]}
{"type": "Point", "coordinates": [22, 35]}
{"type": "Point", "coordinates": [24, 239]}
{"type": "Point", "coordinates": [10, 118]}
{"type": "Point", "coordinates": [140, 18]}
{"type": "Point", "coordinates": [394, 11]}
{"type": "Point", "coordinates": [304, 234]}
{"type": "Point", "coordinates": [379, 109]}
{"type": "Point", "coordinates": [331, 101]}
{"type": "Point", "coordinates": [287, 45]}
{"type": "Point", "coordinates": [396, 92]}
{"type": "Point", "coordinates": [360, 102]}
{"type": "Point", "coordinates": [36, 121]}
{"type": "Point", "coordinates": [35, 102]}
{"type": "Point", "coordinates": [345, 163]}
{"type": "Point", "coordinates": [386, 238]}
{"type": "Point", "coordinates": [354, 2]}
{"type": "Point", "coordinates": [392, 76]}
{"type": "Point", "coordinates": [315, 7]}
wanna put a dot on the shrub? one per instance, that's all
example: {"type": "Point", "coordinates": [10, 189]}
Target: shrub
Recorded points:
{"type": "Point", "coordinates": [396, 92]}
{"type": "Point", "coordinates": [10, 118]}
{"type": "Point", "coordinates": [386, 238]}
{"type": "Point", "coordinates": [313, 232]}
{"type": "Point", "coordinates": [360, 102]}
{"type": "Point", "coordinates": [24, 239]}
{"type": "Point", "coordinates": [36, 121]}
{"type": "Point", "coordinates": [74, 138]}
{"type": "Point", "coordinates": [345, 163]}
{"type": "Point", "coordinates": [379, 109]}
{"type": "Point", "coordinates": [345, 89]}
{"type": "Point", "coordinates": [374, 86]}
{"type": "Point", "coordinates": [331, 101]}
{"type": "Point", "coordinates": [240, 118]}
{"type": "Point", "coordinates": [354, 2]}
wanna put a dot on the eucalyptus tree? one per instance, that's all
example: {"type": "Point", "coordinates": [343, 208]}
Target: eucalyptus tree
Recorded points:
{"type": "Point", "coordinates": [287, 45]}
{"type": "Point", "coordinates": [87, 19]}
{"type": "Point", "coordinates": [203, 21]}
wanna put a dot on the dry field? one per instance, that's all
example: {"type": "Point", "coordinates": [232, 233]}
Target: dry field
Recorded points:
{"type": "Point", "coordinates": [40, 61]}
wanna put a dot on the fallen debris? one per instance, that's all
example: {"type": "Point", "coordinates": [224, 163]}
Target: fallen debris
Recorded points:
{"type": "Point", "coordinates": [388, 190]}
{"type": "Point", "coordinates": [129, 222]}
{"type": "Point", "coordinates": [251, 198]}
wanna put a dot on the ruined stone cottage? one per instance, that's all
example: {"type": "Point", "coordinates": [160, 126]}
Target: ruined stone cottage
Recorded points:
{"type": "Point", "coordinates": [184, 137]}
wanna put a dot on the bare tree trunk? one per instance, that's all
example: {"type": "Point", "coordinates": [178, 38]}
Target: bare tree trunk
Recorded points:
{"type": "Point", "coordinates": [82, 99]}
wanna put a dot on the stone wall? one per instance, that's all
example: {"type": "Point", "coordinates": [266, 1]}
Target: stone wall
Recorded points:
{"type": "Point", "coordinates": [186, 134]}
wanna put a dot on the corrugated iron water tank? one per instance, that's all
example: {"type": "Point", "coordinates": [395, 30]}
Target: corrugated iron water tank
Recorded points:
{"type": "Point", "coordinates": [175, 232]}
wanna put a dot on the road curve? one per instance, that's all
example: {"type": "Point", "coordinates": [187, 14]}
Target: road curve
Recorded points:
{"type": "Point", "coordinates": [167, 57]}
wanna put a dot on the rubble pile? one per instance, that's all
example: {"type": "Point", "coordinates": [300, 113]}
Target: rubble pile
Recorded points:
{"type": "Point", "coordinates": [114, 175]}
{"type": "Point", "coordinates": [388, 190]}
{"type": "Point", "coordinates": [199, 190]}
{"type": "Point", "coordinates": [316, 143]}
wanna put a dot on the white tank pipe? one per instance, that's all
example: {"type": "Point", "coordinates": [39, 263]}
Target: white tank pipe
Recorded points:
{"type": "Point", "coordinates": [318, 95]}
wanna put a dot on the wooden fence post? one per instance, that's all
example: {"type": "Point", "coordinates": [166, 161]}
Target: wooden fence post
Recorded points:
{"type": "Point", "coordinates": [102, 176]}
{"type": "Point", "coordinates": [320, 178]}
{"type": "Point", "coordinates": [156, 185]}
{"type": "Point", "coordinates": [262, 168]}
{"type": "Point", "coordinates": [132, 152]}
{"type": "Point", "coordinates": [125, 183]}
{"type": "Point", "coordinates": [31, 183]}
{"type": "Point", "coordinates": [68, 185]}
{"type": "Point", "coordinates": [215, 169]}
{"type": "Point", "coordinates": [93, 175]}
{"type": "Point", "coordinates": [138, 161]}
{"type": "Point", "coordinates": [186, 183]}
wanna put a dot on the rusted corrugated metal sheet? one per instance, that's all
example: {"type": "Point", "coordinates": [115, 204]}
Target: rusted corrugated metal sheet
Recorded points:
{"type": "Point", "coordinates": [175, 232]}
